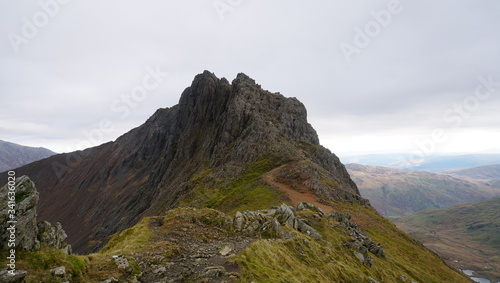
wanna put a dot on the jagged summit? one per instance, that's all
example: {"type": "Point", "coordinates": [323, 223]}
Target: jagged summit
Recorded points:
{"type": "Point", "coordinates": [198, 153]}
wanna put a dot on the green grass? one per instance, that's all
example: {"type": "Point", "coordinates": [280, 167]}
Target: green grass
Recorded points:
{"type": "Point", "coordinates": [303, 259]}
{"type": "Point", "coordinates": [41, 261]}
{"type": "Point", "coordinates": [132, 239]}
{"type": "Point", "coordinates": [246, 191]}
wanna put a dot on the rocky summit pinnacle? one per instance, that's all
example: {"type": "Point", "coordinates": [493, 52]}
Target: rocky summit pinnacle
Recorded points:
{"type": "Point", "coordinates": [224, 145]}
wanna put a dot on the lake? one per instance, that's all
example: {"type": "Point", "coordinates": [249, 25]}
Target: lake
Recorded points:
{"type": "Point", "coordinates": [469, 273]}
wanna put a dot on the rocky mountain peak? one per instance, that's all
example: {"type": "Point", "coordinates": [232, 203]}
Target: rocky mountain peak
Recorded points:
{"type": "Point", "coordinates": [218, 127]}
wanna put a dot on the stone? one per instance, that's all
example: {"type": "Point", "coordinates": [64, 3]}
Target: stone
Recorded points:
{"type": "Point", "coordinates": [59, 271]}
{"type": "Point", "coordinates": [226, 251]}
{"type": "Point", "coordinates": [53, 236]}
{"type": "Point", "coordinates": [402, 278]}
{"type": "Point", "coordinates": [160, 270]}
{"type": "Point", "coordinates": [121, 262]}
{"type": "Point", "coordinates": [18, 276]}
{"type": "Point", "coordinates": [360, 256]}
{"type": "Point", "coordinates": [306, 205]}
{"type": "Point", "coordinates": [25, 203]}
{"type": "Point", "coordinates": [286, 214]}
{"type": "Point", "coordinates": [215, 271]}
{"type": "Point", "coordinates": [112, 279]}
{"type": "Point", "coordinates": [306, 229]}
{"type": "Point", "coordinates": [238, 221]}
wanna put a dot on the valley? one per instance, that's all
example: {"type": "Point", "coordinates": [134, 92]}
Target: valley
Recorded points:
{"type": "Point", "coordinates": [466, 235]}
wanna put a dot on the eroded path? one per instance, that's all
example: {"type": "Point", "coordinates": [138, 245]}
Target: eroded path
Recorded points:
{"type": "Point", "coordinates": [295, 196]}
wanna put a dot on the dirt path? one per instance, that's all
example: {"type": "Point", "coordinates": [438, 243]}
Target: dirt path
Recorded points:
{"type": "Point", "coordinates": [295, 196]}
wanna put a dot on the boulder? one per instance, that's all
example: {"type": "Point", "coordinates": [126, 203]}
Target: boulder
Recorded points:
{"type": "Point", "coordinates": [226, 251]}
{"type": "Point", "coordinates": [59, 271]}
{"type": "Point", "coordinates": [215, 271]}
{"type": "Point", "coordinates": [18, 276]}
{"type": "Point", "coordinates": [306, 205]}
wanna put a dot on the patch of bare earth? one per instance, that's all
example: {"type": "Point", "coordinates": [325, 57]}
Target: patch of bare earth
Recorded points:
{"type": "Point", "coordinates": [295, 196]}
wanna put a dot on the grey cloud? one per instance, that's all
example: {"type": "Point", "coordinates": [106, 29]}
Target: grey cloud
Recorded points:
{"type": "Point", "coordinates": [92, 52]}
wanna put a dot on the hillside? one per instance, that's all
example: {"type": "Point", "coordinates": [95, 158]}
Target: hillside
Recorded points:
{"type": "Point", "coordinates": [13, 155]}
{"type": "Point", "coordinates": [213, 190]}
{"type": "Point", "coordinates": [395, 192]}
{"type": "Point", "coordinates": [489, 174]}
{"type": "Point", "coordinates": [349, 243]}
{"type": "Point", "coordinates": [466, 235]}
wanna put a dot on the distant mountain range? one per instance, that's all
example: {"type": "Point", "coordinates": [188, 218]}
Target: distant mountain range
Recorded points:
{"type": "Point", "coordinates": [435, 163]}
{"type": "Point", "coordinates": [395, 192]}
{"type": "Point", "coordinates": [466, 235]}
{"type": "Point", "coordinates": [14, 155]}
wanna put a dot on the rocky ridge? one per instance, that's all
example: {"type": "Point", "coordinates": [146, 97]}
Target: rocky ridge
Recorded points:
{"type": "Point", "coordinates": [204, 245]}
{"type": "Point", "coordinates": [216, 124]}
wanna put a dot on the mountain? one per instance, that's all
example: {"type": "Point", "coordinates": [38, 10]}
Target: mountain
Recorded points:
{"type": "Point", "coordinates": [231, 184]}
{"type": "Point", "coordinates": [488, 173]}
{"type": "Point", "coordinates": [442, 163]}
{"type": "Point", "coordinates": [395, 192]}
{"type": "Point", "coordinates": [465, 235]}
{"type": "Point", "coordinates": [13, 155]}
{"type": "Point", "coordinates": [216, 132]}
{"type": "Point", "coordinates": [433, 163]}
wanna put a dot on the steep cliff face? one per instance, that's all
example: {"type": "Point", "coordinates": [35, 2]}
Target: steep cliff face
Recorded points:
{"type": "Point", "coordinates": [218, 127]}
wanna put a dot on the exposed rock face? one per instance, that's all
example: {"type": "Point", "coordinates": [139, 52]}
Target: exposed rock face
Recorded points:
{"type": "Point", "coordinates": [54, 236]}
{"type": "Point", "coordinates": [102, 190]}
{"type": "Point", "coordinates": [28, 234]}
{"type": "Point", "coordinates": [24, 205]}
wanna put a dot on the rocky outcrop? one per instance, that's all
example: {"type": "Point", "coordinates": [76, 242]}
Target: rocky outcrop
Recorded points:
{"type": "Point", "coordinates": [53, 236]}
{"type": "Point", "coordinates": [24, 203]}
{"type": "Point", "coordinates": [99, 191]}
{"type": "Point", "coordinates": [27, 233]}
{"type": "Point", "coordinates": [359, 241]}
{"type": "Point", "coordinates": [269, 222]}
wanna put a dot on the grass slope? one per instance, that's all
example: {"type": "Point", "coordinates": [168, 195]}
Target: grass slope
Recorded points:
{"type": "Point", "coordinates": [305, 260]}
{"type": "Point", "coordinates": [467, 233]}
{"type": "Point", "coordinates": [234, 188]}
{"type": "Point", "coordinates": [299, 259]}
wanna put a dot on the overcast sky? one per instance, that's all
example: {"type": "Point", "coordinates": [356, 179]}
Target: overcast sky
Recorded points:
{"type": "Point", "coordinates": [375, 76]}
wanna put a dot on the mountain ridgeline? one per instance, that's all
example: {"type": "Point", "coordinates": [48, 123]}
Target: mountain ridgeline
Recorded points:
{"type": "Point", "coordinates": [13, 155]}
{"type": "Point", "coordinates": [194, 153]}
{"type": "Point", "coordinates": [230, 185]}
